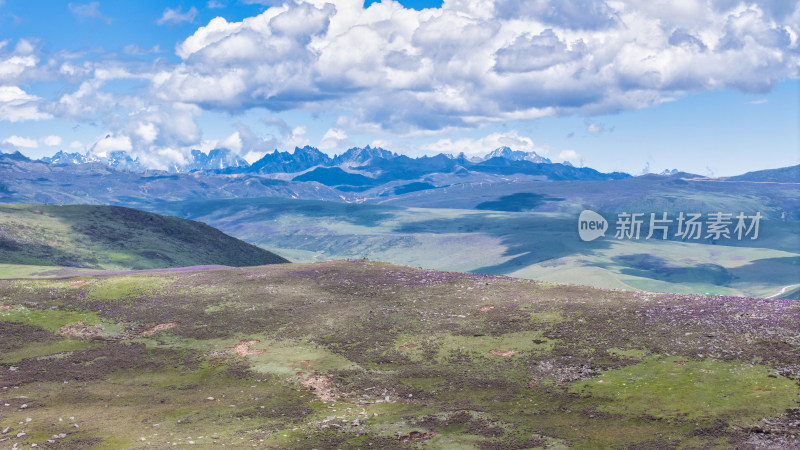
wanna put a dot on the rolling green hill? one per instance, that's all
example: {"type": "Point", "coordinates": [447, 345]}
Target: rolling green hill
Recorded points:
{"type": "Point", "coordinates": [783, 175]}
{"type": "Point", "coordinates": [357, 354]}
{"type": "Point", "coordinates": [116, 238]}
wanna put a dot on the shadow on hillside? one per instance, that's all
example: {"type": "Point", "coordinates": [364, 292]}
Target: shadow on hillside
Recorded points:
{"type": "Point", "coordinates": [656, 268]}
{"type": "Point", "coordinates": [271, 209]}
{"type": "Point", "coordinates": [778, 271]}
{"type": "Point", "coordinates": [529, 239]}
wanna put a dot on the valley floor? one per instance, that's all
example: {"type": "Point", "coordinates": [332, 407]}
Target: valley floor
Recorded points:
{"type": "Point", "coordinates": [532, 245]}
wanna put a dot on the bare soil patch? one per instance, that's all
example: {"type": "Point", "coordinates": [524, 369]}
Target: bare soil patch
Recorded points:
{"type": "Point", "coordinates": [503, 353]}
{"type": "Point", "coordinates": [304, 364]}
{"type": "Point", "coordinates": [243, 348]}
{"type": "Point", "coordinates": [160, 327]}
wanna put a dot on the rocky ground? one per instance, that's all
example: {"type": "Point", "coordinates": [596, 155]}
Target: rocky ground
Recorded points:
{"type": "Point", "coordinates": [357, 354]}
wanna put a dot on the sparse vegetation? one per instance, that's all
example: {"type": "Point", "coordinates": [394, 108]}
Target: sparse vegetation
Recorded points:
{"type": "Point", "coordinates": [351, 353]}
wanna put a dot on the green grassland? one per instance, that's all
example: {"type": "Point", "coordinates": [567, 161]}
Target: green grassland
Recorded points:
{"type": "Point", "coordinates": [360, 354]}
{"type": "Point", "coordinates": [114, 238]}
{"type": "Point", "coordinates": [533, 245]}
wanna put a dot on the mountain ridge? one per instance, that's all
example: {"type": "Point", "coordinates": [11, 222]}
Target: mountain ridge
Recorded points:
{"type": "Point", "coordinates": [225, 161]}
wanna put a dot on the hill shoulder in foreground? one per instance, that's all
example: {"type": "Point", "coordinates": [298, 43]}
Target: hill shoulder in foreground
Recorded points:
{"type": "Point", "coordinates": [355, 354]}
{"type": "Point", "coordinates": [117, 238]}
{"type": "Point", "coordinates": [789, 174]}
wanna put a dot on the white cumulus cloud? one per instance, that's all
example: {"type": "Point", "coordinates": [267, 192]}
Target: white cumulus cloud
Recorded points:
{"type": "Point", "coordinates": [595, 128]}
{"type": "Point", "coordinates": [17, 105]}
{"type": "Point", "coordinates": [89, 11]}
{"type": "Point", "coordinates": [297, 138]}
{"type": "Point", "coordinates": [570, 155]}
{"type": "Point", "coordinates": [232, 142]}
{"type": "Point", "coordinates": [333, 138]}
{"type": "Point", "coordinates": [483, 145]}
{"type": "Point", "coordinates": [52, 141]}
{"type": "Point", "coordinates": [176, 15]}
{"type": "Point", "coordinates": [399, 73]}
{"type": "Point", "coordinates": [19, 141]}
{"type": "Point", "coordinates": [472, 62]}
{"type": "Point", "coordinates": [110, 143]}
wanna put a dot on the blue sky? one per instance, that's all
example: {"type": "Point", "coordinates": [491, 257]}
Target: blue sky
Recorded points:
{"type": "Point", "coordinates": [706, 86]}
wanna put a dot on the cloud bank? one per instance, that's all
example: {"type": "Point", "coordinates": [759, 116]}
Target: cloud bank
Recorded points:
{"type": "Point", "coordinates": [401, 71]}
{"type": "Point", "coordinates": [476, 61]}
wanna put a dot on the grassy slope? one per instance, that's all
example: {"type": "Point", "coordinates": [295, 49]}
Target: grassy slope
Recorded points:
{"type": "Point", "coordinates": [109, 237]}
{"type": "Point", "coordinates": [542, 246]}
{"type": "Point", "coordinates": [398, 358]}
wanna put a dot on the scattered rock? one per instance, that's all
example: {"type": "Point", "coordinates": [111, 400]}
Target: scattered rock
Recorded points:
{"type": "Point", "coordinates": [321, 386]}
{"type": "Point", "coordinates": [79, 330]}
{"type": "Point", "coordinates": [416, 436]}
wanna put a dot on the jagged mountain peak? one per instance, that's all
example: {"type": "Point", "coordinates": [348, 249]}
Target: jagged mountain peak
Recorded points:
{"type": "Point", "coordinates": [62, 157]}
{"type": "Point", "coordinates": [517, 155]}
{"type": "Point", "coordinates": [362, 155]}
{"type": "Point", "coordinates": [16, 156]}
{"type": "Point", "coordinates": [216, 159]}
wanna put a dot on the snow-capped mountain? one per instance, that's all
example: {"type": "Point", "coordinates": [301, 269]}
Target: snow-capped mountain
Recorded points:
{"type": "Point", "coordinates": [360, 156]}
{"type": "Point", "coordinates": [285, 162]}
{"type": "Point", "coordinates": [516, 155]}
{"type": "Point", "coordinates": [217, 159]}
{"type": "Point", "coordinates": [117, 159]}
{"type": "Point", "coordinates": [63, 157]}
{"type": "Point", "coordinates": [365, 166]}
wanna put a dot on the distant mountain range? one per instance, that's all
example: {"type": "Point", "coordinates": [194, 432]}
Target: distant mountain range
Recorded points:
{"type": "Point", "coordinates": [357, 175]}
{"type": "Point", "coordinates": [356, 169]}
{"type": "Point", "coordinates": [363, 168]}
{"type": "Point", "coordinates": [368, 174]}
{"type": "Point", "coordinates": [302, 159]}
{"type": "Point", "coordinates": [217, 159]}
